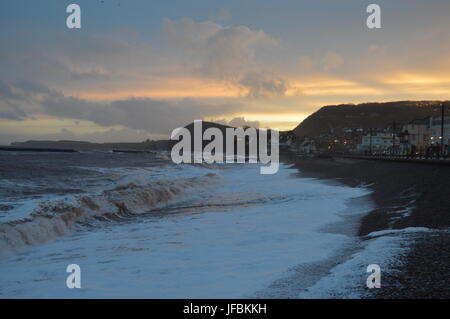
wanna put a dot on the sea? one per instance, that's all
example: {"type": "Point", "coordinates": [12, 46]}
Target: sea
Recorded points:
{"type": "Point", "coordinates": [140, 226]}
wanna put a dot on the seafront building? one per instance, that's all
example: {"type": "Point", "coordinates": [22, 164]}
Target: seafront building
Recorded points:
{"type": "Point", "coordinates": [377, 142]}
{"type": "Point", "coordinates": [435, 130]}
{"type": "Point", "coordinates": [418, 137]}
{"type": "Point", "coordinates": [417, 133]}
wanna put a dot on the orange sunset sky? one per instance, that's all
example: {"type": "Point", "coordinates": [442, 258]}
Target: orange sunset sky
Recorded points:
{"type": "Point", "coordinates": [139, 69]}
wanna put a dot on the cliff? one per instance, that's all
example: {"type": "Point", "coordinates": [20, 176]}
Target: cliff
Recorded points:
{"type": "Point", "coordinates": [334, 118]}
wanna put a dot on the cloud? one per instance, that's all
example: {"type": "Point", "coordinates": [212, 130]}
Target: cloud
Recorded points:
{"type": "Point", "coordinates": [306, 62]}
{"type": "Point", "coordinates": [230, 54]}
{"type": "Point", "coordinates": [376, 51]}
{"type": "Point", "coordinates": [152, 115]}
{"type": "Point", "coordinates": [46, 73]}
{"type": "Point", "coordinates": [215, 50]}
{"type": "Point", "coordinates": [239, 122]}
{"type": "Point", "coordinates": [222, 15]}
{"type": "Point", "coordinates": [332, 61]}
{"type": "Point", "coordinates": [121, 61]}
{"type": "Point", "coordinates": [242, 122]}
{"type": "Point", "coordinates": [115, 59]}
{"type": "Point", "coordinates": [15, 101]}
{"type": "Point", "coordinates": [261, 85]}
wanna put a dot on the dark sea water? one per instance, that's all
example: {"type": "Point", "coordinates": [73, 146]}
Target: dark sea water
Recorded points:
{"type": "Point", "coordinates": [26, 176]}
{"type": "Point", "coordinates": [140, 226]}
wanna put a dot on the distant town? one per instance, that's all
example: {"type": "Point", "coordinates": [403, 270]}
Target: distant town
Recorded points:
{"type": "Point", "coordinates": [426, 137]}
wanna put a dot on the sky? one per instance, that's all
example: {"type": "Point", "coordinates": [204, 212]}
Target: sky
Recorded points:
{"type": "Point", "coordinates": [139, 69]}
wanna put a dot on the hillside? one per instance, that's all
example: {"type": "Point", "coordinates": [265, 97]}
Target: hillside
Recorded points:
{"type": "Point", "coordinates": [335, 118]}
{"type": "Point", "coordinates": [206, 125]}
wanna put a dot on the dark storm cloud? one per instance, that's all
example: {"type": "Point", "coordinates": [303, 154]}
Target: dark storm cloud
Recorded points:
{"type": "Point", "coordinates": [152, 115]}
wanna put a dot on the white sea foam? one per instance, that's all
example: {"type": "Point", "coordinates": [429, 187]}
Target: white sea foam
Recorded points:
{"type": "Point", "coordinates": [49, 219]}
{"type": "Point", "coordinates": [232, 240]}
{"type": "Point", "coordinates": [348, 279]}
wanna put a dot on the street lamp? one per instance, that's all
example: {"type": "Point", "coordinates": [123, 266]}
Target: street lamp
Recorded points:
{"type": "Point", "coordinates": [393, 137]}
{"type": "Point", "coordinates": [444, 105]}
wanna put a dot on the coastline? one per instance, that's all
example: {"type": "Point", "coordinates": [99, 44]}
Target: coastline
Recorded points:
{"type": "Point", "coordinates": [254, 231]}
{"type": "Point", "coordinates": [406, 196]}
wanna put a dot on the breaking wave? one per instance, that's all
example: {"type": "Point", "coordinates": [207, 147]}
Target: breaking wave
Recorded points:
{"type": "Point", "coordinates": [54, 219]}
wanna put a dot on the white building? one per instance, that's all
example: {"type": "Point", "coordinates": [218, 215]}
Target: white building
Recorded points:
{"type": "Point", "coordinates": [418, 132]}
{"type": "Point", "coordinates": [306, 146]}
{"type": "Point", "coordinates": [380, 141]}
{"type": "Point", "coordinates": [435, 130]}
